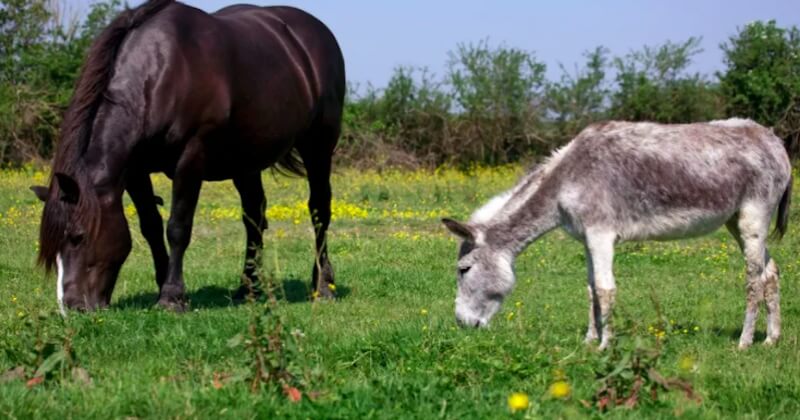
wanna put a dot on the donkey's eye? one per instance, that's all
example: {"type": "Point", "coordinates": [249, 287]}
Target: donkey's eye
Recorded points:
{"type": "Point", "coordinates": [75, 239]}
{"type": "Point", "coordinates": [463, 270]}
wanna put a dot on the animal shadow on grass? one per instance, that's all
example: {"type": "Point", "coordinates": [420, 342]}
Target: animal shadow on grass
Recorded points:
{"type": "Point", "coordinates": [292, 291]}
{"type": "Point", "coordinates": [734, 334]}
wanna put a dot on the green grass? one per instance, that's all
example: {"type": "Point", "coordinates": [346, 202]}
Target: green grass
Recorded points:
{"type": "Point", "coordinates": [374, 353]}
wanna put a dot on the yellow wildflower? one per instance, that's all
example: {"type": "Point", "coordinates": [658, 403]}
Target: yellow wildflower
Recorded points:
{"type": "Point", "coordinates": [518, 401]}
{"type": "Point", "coordinates": [423, 312]}
{"type": "Point", "coordinates": [686, 364]}
{"type": "Point", "coordinates": [559, 389]}
{"type": "Point", "coordinates": [332, 287]}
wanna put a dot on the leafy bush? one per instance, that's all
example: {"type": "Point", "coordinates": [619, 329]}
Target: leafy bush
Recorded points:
{"type": "Point", "coordinates": [762, 79]}
{"type": "Point", "coordinates": [492, 106]}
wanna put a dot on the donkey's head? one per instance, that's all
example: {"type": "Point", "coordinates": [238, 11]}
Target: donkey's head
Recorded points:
{"type": "Point", "coordinates": [485, 275]}
{"type": "Point", "coordinates": [86, 238]}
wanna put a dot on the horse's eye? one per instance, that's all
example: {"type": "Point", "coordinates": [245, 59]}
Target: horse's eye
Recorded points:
{"type": "Point", "coordinates": [75, 238]}
{"type": "Point", "coordinates": [463, 270]}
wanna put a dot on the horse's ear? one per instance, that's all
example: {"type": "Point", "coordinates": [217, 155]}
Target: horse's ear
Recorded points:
{"type": "Point", "coordinates": [70, 191]}
{"type": "Point", "coordinates": [462, 230]}
{"type": "Point", "coordinates": [41, 192]}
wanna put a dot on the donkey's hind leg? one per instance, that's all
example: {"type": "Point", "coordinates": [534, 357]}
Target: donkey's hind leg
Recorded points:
{"type": "Point", "coordinates": [254, 204]}
{"type": "Point", "coordinates": [750, 230]}
{"type": "Point", "coordinates": [772, 294]}
{"type": "Point", "coordinates": [600, 247]}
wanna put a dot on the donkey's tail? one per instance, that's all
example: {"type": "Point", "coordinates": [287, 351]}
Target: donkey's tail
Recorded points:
{"type": "Point", "coordinates": [782, 222]}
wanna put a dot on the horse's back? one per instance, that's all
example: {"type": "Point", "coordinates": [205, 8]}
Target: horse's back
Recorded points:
{"type": "Point", "coordinates": [250, 80]}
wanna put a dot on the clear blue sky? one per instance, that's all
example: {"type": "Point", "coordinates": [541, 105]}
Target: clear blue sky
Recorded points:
{"type": "Point", "coordinates": [377, 36]}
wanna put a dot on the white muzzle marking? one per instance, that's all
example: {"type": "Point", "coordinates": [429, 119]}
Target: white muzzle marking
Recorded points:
{"type": "Point", "coordinates": [60, 285]}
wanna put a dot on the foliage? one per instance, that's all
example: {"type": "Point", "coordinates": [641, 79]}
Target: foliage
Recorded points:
{"type": "Point", "coordinates": [42, 51]}
{"type": "Point", "coordinates": [762, 78]}
{"type": "Point", "coordinates": [628, 373]}
{"type": "Point", "coordinates": [576, 101]}
{"type": "Point", "coordinates": [653, 86]}
{"type": "Point", "coordinates": [39, 349]}
{"type": "Point", "coordinates": [273, 351]}
{"type": "Point", "coordinates": [492, 105]}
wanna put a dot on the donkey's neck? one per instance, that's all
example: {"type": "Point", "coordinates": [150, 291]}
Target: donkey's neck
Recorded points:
{"type": "Point", "coordinates": [530, 211]}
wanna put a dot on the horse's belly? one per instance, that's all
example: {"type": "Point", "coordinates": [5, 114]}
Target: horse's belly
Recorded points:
{"type": "Point", "coordinates": [231, 157]}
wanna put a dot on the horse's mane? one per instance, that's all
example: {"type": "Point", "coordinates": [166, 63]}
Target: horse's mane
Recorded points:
{"type": "Point", "coordinates": [76, 129]}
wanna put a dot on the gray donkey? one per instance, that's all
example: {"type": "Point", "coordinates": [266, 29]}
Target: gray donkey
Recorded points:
{"type": "Point", "coordinates": [621, 181]}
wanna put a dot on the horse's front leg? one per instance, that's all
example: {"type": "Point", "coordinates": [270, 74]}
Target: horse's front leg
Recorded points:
{"type": "Point", "coordinates": [601, 252]}
{"type": "Point", "coordinates": [141, 191]}
{"type": "Point", "coordinates": [185, 191]}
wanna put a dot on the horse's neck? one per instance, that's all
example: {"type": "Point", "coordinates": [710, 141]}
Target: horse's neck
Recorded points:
{"type": "Point", "coordinates": [108, 156]}
{"type": "Point", "coordinates": [528, 214]}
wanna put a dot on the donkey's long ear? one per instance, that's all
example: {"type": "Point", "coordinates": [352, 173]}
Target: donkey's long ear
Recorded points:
{"type": "Point", "coordinates": [70, 191]}
{"type": "Point", "coordinates": [41, 192]}
{"type": "Point", "coordinates": [462, 230]}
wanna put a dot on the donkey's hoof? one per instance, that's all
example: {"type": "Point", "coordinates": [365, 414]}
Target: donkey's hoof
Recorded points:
{"type": "Point", "coordinates": [743, 345]}
{"type": "Point", "coordinates": [603, 345]}
{"type": "Point", "coordinates": [769, 341]}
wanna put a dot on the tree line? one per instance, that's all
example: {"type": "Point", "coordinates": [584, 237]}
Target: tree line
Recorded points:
{"type": "Point", "coordinates": [492, 105]}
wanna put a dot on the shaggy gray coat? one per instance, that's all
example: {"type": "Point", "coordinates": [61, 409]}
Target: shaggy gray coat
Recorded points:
{"type": "Point", "coordinates": [621, 181]}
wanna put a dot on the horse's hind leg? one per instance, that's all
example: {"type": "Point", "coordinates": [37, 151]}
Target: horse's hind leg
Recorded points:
{"type": "Point", "coordinates": [317, 152]}
{"type": "Point", "coordinates": [750, 230]}
{"type": "Point", "coordinates": [254, 204]}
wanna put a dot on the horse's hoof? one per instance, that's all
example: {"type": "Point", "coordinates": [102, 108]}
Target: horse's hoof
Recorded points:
{"type": "Point", "coordinates": [245, 293]}
{"type": "Point", "coordinates": [177, 305]}
{"type": "Point", "coordinates": [326, 292]}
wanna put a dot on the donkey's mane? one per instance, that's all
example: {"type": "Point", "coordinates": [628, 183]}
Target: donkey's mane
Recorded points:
{"type": "Point", "coordinates": [76, 130]}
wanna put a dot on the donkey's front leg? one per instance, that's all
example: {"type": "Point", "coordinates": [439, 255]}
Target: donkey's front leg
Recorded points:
{"type": "Point", "coordinates": [185, 191]}
{"type": "Point", "coordinates": [600, 247]}
{"type": "Point", "coordinates": [591, 331]}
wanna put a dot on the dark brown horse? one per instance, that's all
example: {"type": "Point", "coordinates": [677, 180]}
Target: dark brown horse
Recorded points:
{"type": "Point", "coordinates": [169, 88]}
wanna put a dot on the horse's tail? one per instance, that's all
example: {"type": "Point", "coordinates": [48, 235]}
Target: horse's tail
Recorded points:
{"type": "Point", "coordinates": [782, 222]}
{"type": "Point", "coordinates": [291, 164]}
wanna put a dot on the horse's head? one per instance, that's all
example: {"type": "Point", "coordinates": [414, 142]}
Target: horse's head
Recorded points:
{"type": "Point", "coordinates": [485, 276]}
{"type": "Point", "coordinates": [86, 238]}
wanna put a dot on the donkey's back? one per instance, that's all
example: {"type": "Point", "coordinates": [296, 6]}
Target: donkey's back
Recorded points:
{"type": "Point", "coordinates": [655, 181]}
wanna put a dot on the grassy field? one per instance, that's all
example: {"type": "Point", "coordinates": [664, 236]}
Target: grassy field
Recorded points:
{"type": "Point", "coordinates": [389, 348]}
